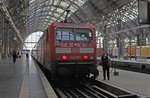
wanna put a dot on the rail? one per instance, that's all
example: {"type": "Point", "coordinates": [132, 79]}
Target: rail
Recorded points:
{"type": "Point", "coordinates": [94, 89]}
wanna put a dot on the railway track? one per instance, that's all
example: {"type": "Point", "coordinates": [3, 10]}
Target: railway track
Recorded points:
{"type": "Point", "coordinates": [79, 93]}
{"type": "Point", "coordinates": [93, 89]}
{"type": "Point", "coordinates": [89, 88]}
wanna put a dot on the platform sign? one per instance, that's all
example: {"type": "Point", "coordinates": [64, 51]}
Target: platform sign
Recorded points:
{"type": "Point", "coordinates": [148, 51]}
{"type": "Point", "coordinates": [138, 51]}
{"type": "Point", "coordinates": [145, 51]}
{"type": "Point", "coordinates": [115, 52]}
{"type": "Point", "coordinates": [143, 12]}
{"type": "Point", "coordinates": [131, 50]}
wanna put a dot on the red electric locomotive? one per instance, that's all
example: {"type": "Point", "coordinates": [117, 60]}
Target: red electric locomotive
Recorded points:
{"type": "Point", "coordinates": [68, 50]}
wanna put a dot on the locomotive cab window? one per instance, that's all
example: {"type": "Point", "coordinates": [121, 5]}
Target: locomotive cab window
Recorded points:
{"type": "Point", "coordinates": [65, 34]}
{"type": "Point", "coordinates": [83, 34]}
{"type": "Point", "coordinates": [73, 34]}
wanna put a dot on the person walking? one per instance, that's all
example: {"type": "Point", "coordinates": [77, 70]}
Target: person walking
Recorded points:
{"type": "Point", "coordinates": [14, 56]}
{"type": "Point", "coordinates": [105, 65]}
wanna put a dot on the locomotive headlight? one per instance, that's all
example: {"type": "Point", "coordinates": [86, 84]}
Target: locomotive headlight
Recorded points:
{"type": "Point", "coordinates": [75, 44]}
{"type": "Point", "coordinates": [91, 57]}
{"type": "Point", "coordinates": [85, 57]}
{"type": "Point", "coordinates": [64, 57]}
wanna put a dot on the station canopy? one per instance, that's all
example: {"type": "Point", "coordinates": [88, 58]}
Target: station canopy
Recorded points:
{"type": "Point", "coordinates": [36, 15]}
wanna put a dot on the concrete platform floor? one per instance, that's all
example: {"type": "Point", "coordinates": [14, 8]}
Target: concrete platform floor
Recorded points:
{"type": "Point", "coordinates": [138, 83]}
{"type": "Point", "coordinates": [11, 77]}
{"type": "Point", "coordinates": [22, 79]}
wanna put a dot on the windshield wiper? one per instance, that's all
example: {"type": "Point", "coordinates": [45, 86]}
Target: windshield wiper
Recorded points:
{"type": "Point", "coordinates": [58, 38]}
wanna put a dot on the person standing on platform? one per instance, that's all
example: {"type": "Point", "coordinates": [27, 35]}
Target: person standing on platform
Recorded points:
{"type": "Point", "coordinates": [14, 56]}
{"type": "Point", "coordinates": [105, 59]}
{"type": "Point", "coordinates": [27, 55]}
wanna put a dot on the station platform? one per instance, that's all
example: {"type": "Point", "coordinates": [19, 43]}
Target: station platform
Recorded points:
{"type": "Point", "coordinates": [23, 79]}
{"type": "Point", "coordinates": [135, 82]}
{"type": "Point", "coordinates": [132, 60]}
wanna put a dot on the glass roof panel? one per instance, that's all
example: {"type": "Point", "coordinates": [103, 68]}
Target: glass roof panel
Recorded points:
{"type": "Point", "coordinates": [46, 11]}
{"type": "Point", "coordinates": [48, 17]}
{"type": "Point", "coordinates": [52, 18]}
{"type": "Point", "coordinates": [125, 14]}
{"type": "Point", "coordinates": [55, 2]}
{"type": "Point", "coordinates": [56, 15]}
{"type": "Point", "coordinates": [64, 4]}
{"type": "Point", "coordinates": [47, 2]}
{"type": "Point", "coordinates": [31, 1]}
{"type": "Point", "coordinates": [59, 10]}
{"type": "Point", "coordinates": [52, 8]}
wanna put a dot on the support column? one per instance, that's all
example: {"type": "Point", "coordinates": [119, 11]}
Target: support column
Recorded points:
{"type": "Point", "coordinates": [120, 45]}
{"type": "Point", "coordinates": [130, 44]}
{"type": "Point", "coordinates": [148, 36]}
{"type": "Point", "coordinates": [3, 34]}
{"type": "Point", "coordinates": [12, 46]}
{"type": "Point", "coordinates": [105, 41]}
{"type": "Point", "coordinates": [5, 40]}
{"type": "Point", "coordinates": [119, 40]}
{"type": "Point", "coordinates": [8, 45]}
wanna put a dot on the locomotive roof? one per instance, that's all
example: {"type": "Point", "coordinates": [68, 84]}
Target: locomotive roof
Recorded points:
{"type": "Point", "coordinates": [71, 24]}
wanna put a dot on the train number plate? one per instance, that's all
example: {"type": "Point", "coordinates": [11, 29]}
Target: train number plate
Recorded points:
{"type": "Point", "coordinates": [75, 50]}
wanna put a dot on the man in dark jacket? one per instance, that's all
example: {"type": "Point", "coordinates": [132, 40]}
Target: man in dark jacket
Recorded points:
{"type": "Point", "coordinates": [105, 65]}
{"type": "Point", "coordinates": [27, 55]}
{"type": "Point", "coordinates": [14, 56]}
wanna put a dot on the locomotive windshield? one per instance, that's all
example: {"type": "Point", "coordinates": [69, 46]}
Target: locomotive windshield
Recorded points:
{"type": "Point", "coordinates": [74, 34]}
